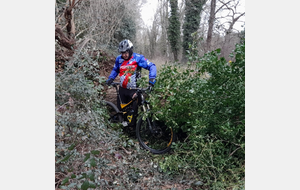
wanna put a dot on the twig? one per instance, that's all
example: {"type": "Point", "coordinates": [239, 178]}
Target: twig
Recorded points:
{"type": "Point", "coordinates": [185, 140]}
{"type": "Point", "coordinates": [230, 142]}
{"type": "Point", "coordinates": [83, 44]}
{"type": "Point", "coordinates": [74, 4]}
{"type": "Point", "coordinates": [60, 173]}
{"type": "Point", "coordinates": [61, 106]}
{"type": "Point", "coordinates": [234, 151]}
{"type": "Point", "coordinates": [127, 152]}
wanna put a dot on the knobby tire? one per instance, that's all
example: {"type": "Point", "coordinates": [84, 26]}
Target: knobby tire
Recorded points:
{"type": "Point", "coordinates": [159, 143]}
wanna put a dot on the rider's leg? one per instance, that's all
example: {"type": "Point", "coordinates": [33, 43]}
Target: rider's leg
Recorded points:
{"type": "Point", "coordinates": [129, 95]}
{"type": "Point", "coordinates": [135, 114]}
{"type": "Point", "coordinates": [126, 97]}
{"type": "Point", "coordinates": [123, 95]}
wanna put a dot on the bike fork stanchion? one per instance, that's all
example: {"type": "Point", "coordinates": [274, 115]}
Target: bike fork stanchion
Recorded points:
{"type": "Point", "coordinates": [150, 126]}
{"type": "Point", "coordinates": [148, 120]}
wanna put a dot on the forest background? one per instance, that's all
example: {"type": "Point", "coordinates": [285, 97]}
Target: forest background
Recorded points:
{"type": "Point", "coordinates": [203, 101]}
{"type": "Point", "coordinates": [34, 115]}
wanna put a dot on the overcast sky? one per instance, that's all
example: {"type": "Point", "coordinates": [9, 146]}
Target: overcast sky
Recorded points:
{"type": "Point", "coordinates": [148, 11]}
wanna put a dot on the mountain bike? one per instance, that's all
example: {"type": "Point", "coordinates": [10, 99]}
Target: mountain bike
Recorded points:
{"type": "Point", "coordinates": [152, 134]}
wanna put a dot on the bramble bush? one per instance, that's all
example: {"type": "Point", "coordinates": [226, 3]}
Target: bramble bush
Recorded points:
{"type": "Point", "coordinates": [206, 101]}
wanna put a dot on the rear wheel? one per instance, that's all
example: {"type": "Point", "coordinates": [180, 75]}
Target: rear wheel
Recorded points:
{"type": "Point", "coordinates": [159, 141]}
{"type": "Point", "coordinates": [113, 112]}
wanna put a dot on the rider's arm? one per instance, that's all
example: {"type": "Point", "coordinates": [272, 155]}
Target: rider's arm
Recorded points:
{"type": "Point", "coordinates": [116, 69]}
{"type": "Point", "coordinates": [146, 64]}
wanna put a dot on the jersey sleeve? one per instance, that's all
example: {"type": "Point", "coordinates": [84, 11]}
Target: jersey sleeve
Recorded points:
{"type": "Point", "coordinates": [115, 71]}
{"type": "Point", "coordinates": [146, 64]}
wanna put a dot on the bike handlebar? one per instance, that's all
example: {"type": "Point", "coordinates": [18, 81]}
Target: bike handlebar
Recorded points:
{"type": "Point", "coordinates": [143, 90]}
{"type": "Point", "coordinates": [114, 84]}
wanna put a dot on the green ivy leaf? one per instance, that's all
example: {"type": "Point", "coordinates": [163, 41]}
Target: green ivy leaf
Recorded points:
{"type": "Point", "coordinates": [92, 185]}
{"type": "Point", "coordinates": [87, 156]}
{"type": "Point", "coordinates": [95, 152]}
{"type": "Point", "coordinates": [72, 146]}
{"type": "Point", "coordinates": [93, 162]}
{"type": "Point", "coordinates": [92, 177]}
{"type": "Point", "coordinates": [65, 158]}
{"type": "Point", "coordinates": [85, 185]}
{"type": "Point", "coordinates": [66, 180]}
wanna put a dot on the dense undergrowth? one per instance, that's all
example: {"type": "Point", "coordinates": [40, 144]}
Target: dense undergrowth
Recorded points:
{"type": "Point", "coordinates": [204, 102]}
{"type": "Point", "coordinates": [88, 153]}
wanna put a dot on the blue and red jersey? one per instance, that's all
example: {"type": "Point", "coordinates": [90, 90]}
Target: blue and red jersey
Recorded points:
{"type": "Point", "coordinates": [127, 69]}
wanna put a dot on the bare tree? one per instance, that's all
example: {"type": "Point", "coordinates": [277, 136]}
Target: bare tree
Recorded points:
{"type": "Point", "coordinates": [153, 35]}
{"type": "Point", "coordinates": [163, 15]}
{"type": "Point", "coordinates": [174, 29]}
{"type": "Point", "coordinates": [233, 16]}
{"type": "Point", "coordinates": [217, 26]}
{"type": "Point", "coordinates": [211, 23]}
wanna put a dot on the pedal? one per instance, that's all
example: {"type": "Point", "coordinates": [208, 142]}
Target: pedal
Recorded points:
{"type": "Point", "coordinates": [125, 123]}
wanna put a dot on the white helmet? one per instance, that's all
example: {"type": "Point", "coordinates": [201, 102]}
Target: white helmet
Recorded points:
{"type": "Point", "coordinates": [125, 45]}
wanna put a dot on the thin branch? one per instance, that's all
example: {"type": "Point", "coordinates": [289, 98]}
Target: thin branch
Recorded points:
{"type": "Point", "coordinates": [222, 7]}
{"type": "Point", "coordinates": [229, 8]}
{"type": "Point", "coordinates": [126, 151]}
{"type": "Point", "coordinates": [80, 32]}
{"type": "Point", "coordinates": [83, 44]}
{"type": "Point", "coordinates": [74, 4]}
{"type": "Point", "coordinates": [237, 18]}
{"type": "Point", "coordinates": [185, 140]}
{"type": "Point", "coordinates": [234, 151]}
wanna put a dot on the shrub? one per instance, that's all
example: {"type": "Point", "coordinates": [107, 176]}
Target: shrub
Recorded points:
{"type": "Point", "coordinates": [208, 104]}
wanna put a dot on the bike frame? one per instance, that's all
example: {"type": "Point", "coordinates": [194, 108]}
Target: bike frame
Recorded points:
{"type": "Point", "coordinates": [153, 130]}
{"type": "Point", "coordinates": [125, 105]}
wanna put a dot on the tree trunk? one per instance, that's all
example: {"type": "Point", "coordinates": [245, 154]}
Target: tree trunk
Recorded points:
{"type": "Point", "coordinates": [164, 23]}
{"type": "Point", "coordinates": [67, 41]}
{"type": "Point", "coordinates": [227, 36]}
{"type": "Point", "coordinates": [211, 24]}
{"type": "Point", "coordinates": [192, 19]}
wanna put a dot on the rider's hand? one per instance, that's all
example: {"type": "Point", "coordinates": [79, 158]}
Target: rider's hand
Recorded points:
{"type": "Point", "coordinates": [109, 81]}
{"type": "Point", "coordinates": [151, 84]}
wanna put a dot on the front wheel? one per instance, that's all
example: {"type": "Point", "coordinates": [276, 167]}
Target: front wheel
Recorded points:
{"type": "Point", "coordinates": [157, 141]}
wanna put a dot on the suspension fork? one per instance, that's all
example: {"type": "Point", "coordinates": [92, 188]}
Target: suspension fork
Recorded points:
{"type": "Point", "coordinates": [148, 120]}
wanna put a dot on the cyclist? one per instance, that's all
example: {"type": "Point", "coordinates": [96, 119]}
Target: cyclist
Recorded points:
{"type": "Point", "coordinates": [129, 65]}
